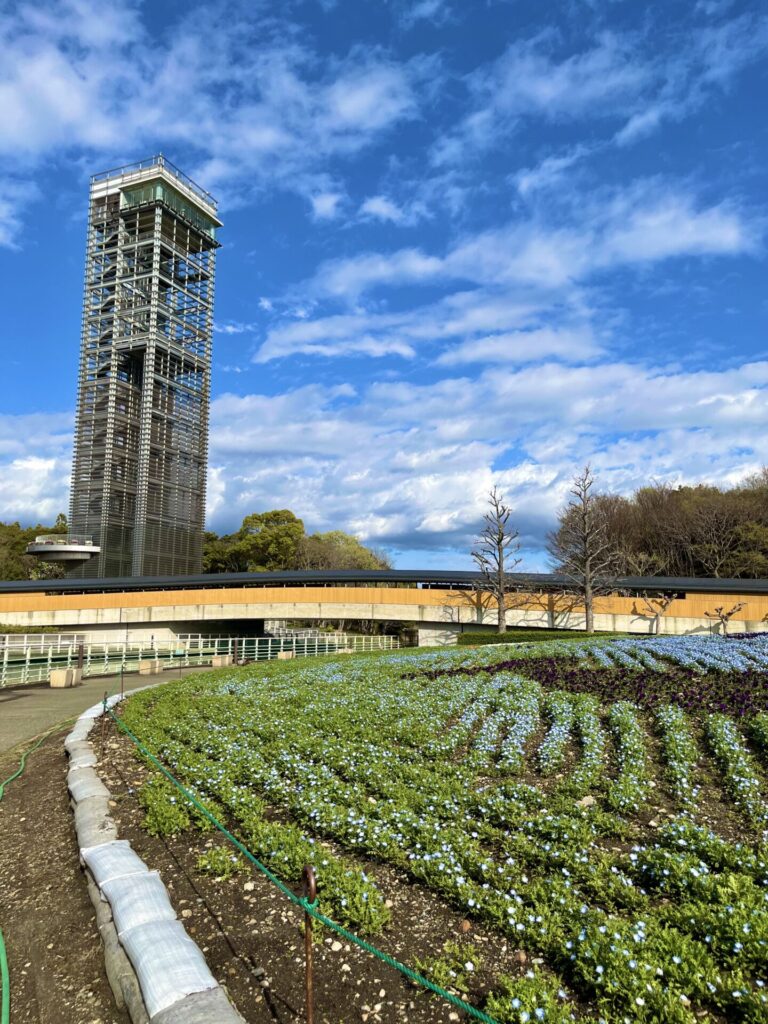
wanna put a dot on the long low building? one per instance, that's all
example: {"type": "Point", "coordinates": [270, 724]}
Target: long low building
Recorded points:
{"type": "Point", "coordinates": [438, 604]}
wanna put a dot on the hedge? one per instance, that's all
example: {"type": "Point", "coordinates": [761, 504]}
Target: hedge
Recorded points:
{"type": "Point", "coordinates": [516, 636]}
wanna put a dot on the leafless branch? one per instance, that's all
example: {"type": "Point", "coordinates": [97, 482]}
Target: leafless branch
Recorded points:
{"type": "Point", "coordinates": [496, 553]}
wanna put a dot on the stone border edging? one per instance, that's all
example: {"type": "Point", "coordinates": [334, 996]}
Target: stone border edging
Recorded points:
{"type": "Point", "coordinates": [136, 981]}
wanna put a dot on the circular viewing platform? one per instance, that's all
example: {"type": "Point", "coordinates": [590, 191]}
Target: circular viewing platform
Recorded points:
{"type": "Point", "coordinates": [63, 547]}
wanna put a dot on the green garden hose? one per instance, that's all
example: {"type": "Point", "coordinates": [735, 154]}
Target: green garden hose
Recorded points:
{"type": "Point", "coordinates": [22, 764]}
{"type": "Point", "coordinates": [5, 986]}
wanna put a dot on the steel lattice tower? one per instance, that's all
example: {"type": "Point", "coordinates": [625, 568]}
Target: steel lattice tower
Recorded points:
{"type": "Point", "coordinates": [141, 435]}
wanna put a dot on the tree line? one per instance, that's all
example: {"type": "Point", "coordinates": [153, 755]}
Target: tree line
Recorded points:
{"type": "Point", "coordinates": [276, 540]}
{"type": "Point", "coordinates": [15, 563]}
{"type": "Point", "coordinates": [660, 530]}
{"type": "Point", "coordinates": [265, 541]}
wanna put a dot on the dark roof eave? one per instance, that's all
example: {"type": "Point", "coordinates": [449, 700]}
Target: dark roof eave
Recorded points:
{"type": "Point", "coordinates": [446, 578]}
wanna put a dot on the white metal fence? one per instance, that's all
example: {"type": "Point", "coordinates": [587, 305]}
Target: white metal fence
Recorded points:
{"type": "Point", "coordinates": [33, 662]}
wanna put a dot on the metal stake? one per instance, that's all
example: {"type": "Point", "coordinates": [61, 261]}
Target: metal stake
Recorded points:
{"type": "Point", "coordinates": [310, 893]}
{"type": "Point", "coordinates": [103, 723]}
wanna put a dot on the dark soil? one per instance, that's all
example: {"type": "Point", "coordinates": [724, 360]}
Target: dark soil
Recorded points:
{"type": "Point", "coordinates": [253, 939]}
{"type": "Point", "coordinates": [55, 957]}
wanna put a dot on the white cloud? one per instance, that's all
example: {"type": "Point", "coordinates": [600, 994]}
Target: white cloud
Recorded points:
{"type": "Point", "coordinates": [381, 208]}
{"type": "Point", "coordinates": [635, 80]}
{"type": "Point", "coordinates": [253, 104]}
{"type": "Point", "coordinates": [571, 345]}
{"type": "Point", "coordinates": [325, 205]}
{"type": "Point", "coordinates": [648, 221]}
{"type": "Point", "coordinates": [711, 58]}
{"type": "Point", "coordinates": [672, 226]}
{"type": "Point", "coordinates": [436, 11]}
{"type": "Point", "coordinates": [531, 80]}
{"type": "Point", "coordinates": [346, 278]}
{"type": "Point", "coordinates": [15, 196]}
{"type": "Point", "coordinates": [34, 488]}
{"type": "Point", "coordinates": [433, 450]}
{"type": "Point", "coordinates": [368, 98]}
{"type": "Point", "coordinates": [233, 328]}
{"type": "Point", "coordinates": [460, 315]}
{"type": "Point", "coordinates": [528, 79]}
{"type": "Point", "coordinates": [526, 276]}
{"type": "Point", "coordinates": [550, 171]}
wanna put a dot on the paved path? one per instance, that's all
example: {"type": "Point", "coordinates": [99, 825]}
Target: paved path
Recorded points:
{"type": "Point", "coordinates": [28, 711]}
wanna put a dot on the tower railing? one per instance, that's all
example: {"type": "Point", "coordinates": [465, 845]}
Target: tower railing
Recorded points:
{"type": "Point", "coordinates": [128, 171]}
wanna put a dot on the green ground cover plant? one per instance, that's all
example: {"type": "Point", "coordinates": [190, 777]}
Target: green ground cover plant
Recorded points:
{"type": "Point", "coordinates": [517, 635]}
{"type": "Point", "coordinates": [602, 810]}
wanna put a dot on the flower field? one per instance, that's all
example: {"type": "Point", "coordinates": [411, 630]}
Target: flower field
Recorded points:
{"type": "Point", "coordinates": [599, 806]}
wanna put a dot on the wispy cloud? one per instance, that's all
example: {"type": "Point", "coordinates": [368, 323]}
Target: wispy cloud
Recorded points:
{"type": "Point", "coordinates": [571, 345]}
{"type": "Point", "coordinates": [550, 171]}
{"type": "Point", "coordinates": [432, 450]}
{"type": "Point", "coordinates": [648, 221]}
{"type": "Point", "coordinates": [15, 196]}
{"type": "Point", "coordinates": [435, 11]}
{"type": "Point", "coordinates": [326, 205]}
{"type": "Point", "coordinates": [254, 104]}
{"type": "Point", "coordinates": [634, 81]}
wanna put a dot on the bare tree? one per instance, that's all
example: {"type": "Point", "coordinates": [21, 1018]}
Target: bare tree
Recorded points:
{"type": "Point", "coordinates": [724, 615]}
{"type": "Point", "coordinates": [715, 534]}
{"type": "Point", "coordinates": [581, 548]}
{"type": "Point", "coordinates": [656, 607]}
{"type": "Point", "coordinates": [495, 554]}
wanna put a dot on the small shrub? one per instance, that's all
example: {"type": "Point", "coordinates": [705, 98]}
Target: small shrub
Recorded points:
{"type": "Point", "coordinates": [166, 812]}
{"type": "Point", "coordinates": [453, 969]}
{"type": "Point", "coordinates": [532, 998]}
{"type": "Point", "coordinates": [221, 862]}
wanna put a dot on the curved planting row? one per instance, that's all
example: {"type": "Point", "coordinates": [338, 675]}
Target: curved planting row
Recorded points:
{"type": "Point", "coordinates": [575, 828]}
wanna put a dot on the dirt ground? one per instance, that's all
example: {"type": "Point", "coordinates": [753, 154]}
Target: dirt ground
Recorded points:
{"type": "Point", "coordinates": [250, 935]}
{"type": "Point", "coordinates": [55, 958]}
{"type": "Point", "coordinates": [254, 945]}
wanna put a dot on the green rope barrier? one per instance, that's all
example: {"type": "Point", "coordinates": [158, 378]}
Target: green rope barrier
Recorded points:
{"type": "Point", "coordinates": [300, 901]}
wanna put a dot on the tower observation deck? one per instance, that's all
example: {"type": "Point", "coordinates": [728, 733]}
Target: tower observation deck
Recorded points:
{"type": "Point", "coordinates": [141, 434]}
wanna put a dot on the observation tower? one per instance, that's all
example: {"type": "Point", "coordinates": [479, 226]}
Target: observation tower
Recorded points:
{"type": "Point", "coordinates": [141, 433]}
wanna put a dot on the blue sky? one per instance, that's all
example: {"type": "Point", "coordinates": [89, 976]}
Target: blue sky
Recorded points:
{"type": "Point", "coordinates": [464, 244]}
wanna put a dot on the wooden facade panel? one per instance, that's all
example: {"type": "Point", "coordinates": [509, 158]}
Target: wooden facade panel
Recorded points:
{"type": "Point", "coordinates": [694, 606]}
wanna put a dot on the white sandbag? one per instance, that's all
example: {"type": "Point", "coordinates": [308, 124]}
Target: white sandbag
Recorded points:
{"type": "Point", "coordinates": [76, 741]}
{"type": "Point", "coordinates": [82, 759]}
{"type": "Point", "coordinates": [211, 1007]}
{"type": "Point", "coordinates": [93, 824]}
{"type": "Point", "coordinates": [80, 732]}
{"type": "Point", "coordinates": [93, 712]}
{"type": "Point", "coordinates": [75, 747]}
{"type": "Point", "coordinates": [168, 963]}
{"type": "Point", "coordinates": [112, 860]}
{"type": "Point", "coordinates": [84, 783]}
{"type": "Point", "coordinates": [137, 900]}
